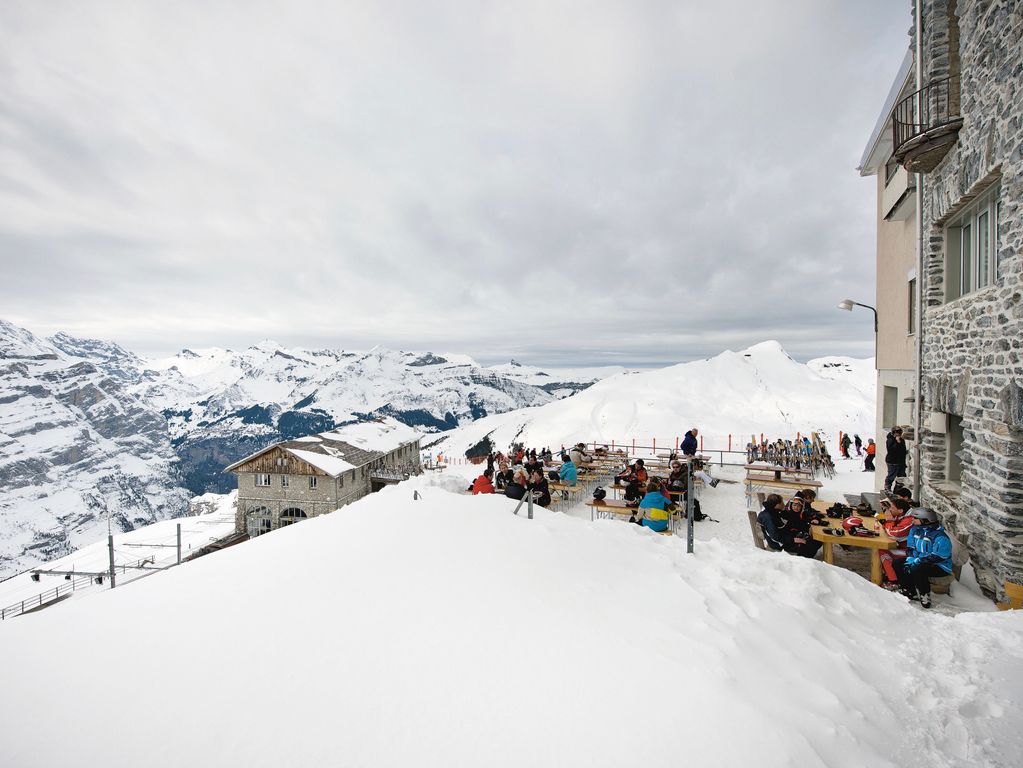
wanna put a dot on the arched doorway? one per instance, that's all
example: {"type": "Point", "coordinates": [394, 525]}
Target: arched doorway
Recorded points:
{"type": "Point", "coordinates": [292, 515]}
{"type": "Point", "coordinates": [258, 521]}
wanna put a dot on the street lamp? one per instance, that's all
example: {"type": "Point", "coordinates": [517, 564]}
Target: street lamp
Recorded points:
{"type": "Point", "coordinates": [848, 304]}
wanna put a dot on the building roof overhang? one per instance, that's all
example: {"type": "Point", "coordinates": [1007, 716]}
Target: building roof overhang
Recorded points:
{"type": "Point", "coordinates": [879, 146]}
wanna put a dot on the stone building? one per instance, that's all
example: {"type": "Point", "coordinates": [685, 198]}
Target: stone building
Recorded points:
{"type": "Point", "coordinates": [959, 134]}
{"type": "Point", "coordinates": [296, 479]}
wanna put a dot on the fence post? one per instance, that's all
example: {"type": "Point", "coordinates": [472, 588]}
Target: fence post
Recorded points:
{"type": "Point", "coordinates": [633, 446]}
{"type": "Point", "coordinates": [676, 443]}
{"type": "Point", "coordinates": [701, 443]}
{"type": "Point", "coordinates": [110, 546]}
{"type": "Point", "coordinates": [655, 446]}
{"type": "Point", "coordinates": [729, 442]}
{"type": "Point", "coordinates": [690, 507]}
{"type": "Point", "coordinates": [179, 544]}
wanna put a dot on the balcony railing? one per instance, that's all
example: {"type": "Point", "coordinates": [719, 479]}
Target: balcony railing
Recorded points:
{"type": "Point", "coordinates": [925, 124]}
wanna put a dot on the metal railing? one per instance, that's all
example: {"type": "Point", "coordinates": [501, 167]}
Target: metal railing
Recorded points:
{"type": "Point", "coordinates": [933, 106]}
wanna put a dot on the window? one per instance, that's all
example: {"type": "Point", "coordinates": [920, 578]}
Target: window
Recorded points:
{"type": "Point", "coordinates": [954, 449]}
{"type": "Point", "coordinates": [911, 319]}
{"type": "Point", "coordinates": [890, 407]}
{"type": "Point", "coordinates": [971, 247]}
{"type": "Point", "coordinates": [889, 170]}
{"type": "Point", "coordinates": [312, 483]}
{"type": "Point", "coordinates": [262, 480]}
{"type": "Point", "coordinates": [292, 515]}
{"type": "Point", "coordinates": [257, 521]}
{"type": "Point", "coordinates": [285, 481]}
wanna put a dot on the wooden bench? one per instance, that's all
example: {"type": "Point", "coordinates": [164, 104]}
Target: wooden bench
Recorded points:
{"type": "Point", "coordinates": [1015, 594]}
{"type": "Point", "coordinates": [758, 533]}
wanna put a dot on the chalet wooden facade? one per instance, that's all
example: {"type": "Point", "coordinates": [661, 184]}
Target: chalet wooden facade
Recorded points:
{"type": "Point", "coordinates": [291, 481]}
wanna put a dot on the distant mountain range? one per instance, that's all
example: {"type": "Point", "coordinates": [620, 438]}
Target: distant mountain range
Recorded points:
{"type": "Point", "coordinates": [91, 432]}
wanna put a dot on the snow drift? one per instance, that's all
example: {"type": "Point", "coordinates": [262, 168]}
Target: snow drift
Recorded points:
{"type": "Point", "coordinates": [447, 631]}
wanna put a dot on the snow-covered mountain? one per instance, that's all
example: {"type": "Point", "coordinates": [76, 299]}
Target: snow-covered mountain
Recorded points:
{"type": "Point", "coordinates": [77, 450]}
{"type": "Point", "coordinates": [221, 404]}
{"type": "Point", "coordinates": [757, 390]}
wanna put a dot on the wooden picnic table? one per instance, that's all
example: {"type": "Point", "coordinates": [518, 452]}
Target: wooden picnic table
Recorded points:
{"type": "Point", "coordinates": [611, 508]}
{"type": "Point", "coordinates": [756, 480]}
{"type": "Point", "coordinates": [779, 471]}
{"type": "Point", "coordinates": [874, 543]}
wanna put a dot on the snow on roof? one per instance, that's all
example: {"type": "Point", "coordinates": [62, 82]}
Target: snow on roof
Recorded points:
{"type": "Point", "coordinates": [383, 436]}
{"type": "Point", "coordinates": [332, 465]}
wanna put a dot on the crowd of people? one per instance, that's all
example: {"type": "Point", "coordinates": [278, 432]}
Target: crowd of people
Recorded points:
{"type": "Point", "coordinates": [924, 548]}
{"type": "Point", "coordinates": [523, 471]}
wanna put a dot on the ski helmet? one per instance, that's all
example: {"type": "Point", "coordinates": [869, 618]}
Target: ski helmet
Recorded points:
{"type": "Point", "coordinates": [851, 524]}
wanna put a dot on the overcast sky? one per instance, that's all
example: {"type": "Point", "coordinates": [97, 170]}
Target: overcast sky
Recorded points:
{"type": "Point", "coordinates": [560, 182]}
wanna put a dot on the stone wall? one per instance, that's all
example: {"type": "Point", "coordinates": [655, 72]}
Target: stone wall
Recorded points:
{"type": "Point", "coordinates": [971, 345]}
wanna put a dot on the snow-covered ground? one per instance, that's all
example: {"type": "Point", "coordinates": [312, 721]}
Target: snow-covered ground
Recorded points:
{"type": "Point", "coordinates": [446, 631]}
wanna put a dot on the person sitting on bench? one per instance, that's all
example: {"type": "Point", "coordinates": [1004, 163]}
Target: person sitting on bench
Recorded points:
{"type": "Point", "coordinates": [484, 483]}
{"type": "Point", "coordinates": [654, 507]}
{"type": "Point", "coordinates": [516, 489]}
{"type": "Point", "coordinates": [533, 464]}
{"type": "Point", "coordinates": [795, 533]}
{"type": "Point", "coordinates": [568, 473]}
{"type": "Point", "coordinates": [503, 476]}
{"type": "Point", "coordinates": [898, 525]}
{"type": "Point", "coordinates": [540, 490]}
{"type": "Point", "coordinates": [636, 472]}
{"type": "Point", "coordinates": [771, 523]}
{"type": "Point", "coordinates": [930, 554]}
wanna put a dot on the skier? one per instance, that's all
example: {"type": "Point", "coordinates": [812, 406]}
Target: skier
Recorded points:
{"type": "Point", "coordinates": [868, 462]}
{"type": "Point", "coordinates": [859, 445]}
{"type": "Point", "coordinates": [846, 442]}
{"type": "Point", "coordinates": [689, 443]}
{"type": "Point", "coordinates": [930, 554]}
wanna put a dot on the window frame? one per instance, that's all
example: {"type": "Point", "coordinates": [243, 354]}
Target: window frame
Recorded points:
{"type": "Point", "coordinates": [312, 482]}
{"type": "Point", "coordinates": [971, 245]}
{"type": "Point", "coordinates": [263, 476]}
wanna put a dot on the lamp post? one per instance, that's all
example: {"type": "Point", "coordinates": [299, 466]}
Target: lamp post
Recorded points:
{"type": "Point", "coordinates": [848, 304]}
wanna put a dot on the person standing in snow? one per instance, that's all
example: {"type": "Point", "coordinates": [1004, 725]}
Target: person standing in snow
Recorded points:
{"type": "Point", "coordinates": [858, 443]}
{"type": "Point", "coordinates": [895, 458]}
{"type": "Point", "coordinates": [929, 554]}
{"type": "Point", "coordinates": [871, 451]}
{"type": "Point", "coordinates": [484, 483]}
{"type": "Point", "coordinates": [844, 445]}
{"type": "Point", "coordinates": [771, 523]}
{"type": "Point", "coordinates": [689, 442]}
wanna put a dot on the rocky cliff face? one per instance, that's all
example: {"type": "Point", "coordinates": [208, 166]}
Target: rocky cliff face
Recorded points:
{"type": "Point", "coordinates": [77, 451]}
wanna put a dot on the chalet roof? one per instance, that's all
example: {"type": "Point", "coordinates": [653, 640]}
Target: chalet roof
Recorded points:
{"type": "Point", "coordinates": [333, 455]}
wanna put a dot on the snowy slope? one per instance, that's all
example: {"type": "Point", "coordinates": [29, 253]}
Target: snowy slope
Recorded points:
{"type": "Point", "coordinates": [447, 631]}
{"type": "Point", "coordinates": [754, 391]}
{"type": "Point", "coordinates": [76, 449]}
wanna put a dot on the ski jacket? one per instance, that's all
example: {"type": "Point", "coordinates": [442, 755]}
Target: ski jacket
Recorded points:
{"type": "Point", "coordinates": [770, 524]}
{"type": "Point", "coordinates": [796, 523]}
{"type": "Point", "coordinates": [895, 450]}
{"type": "Point", "coordinates": [871, 449]}
{"type": "Point", "coordinates": [689, 444]}
{"type": "Point", "coordinates": [898, 528]}
{"type": "Point", "coordinates": [579, 457]}
{"type": "Point", "coordinates": [515, 491]}
{"type": "Point", "coordinates": [503, 478]}
{"type": "Point", "coordinates": [568, 474]}
{"type": "Point", "coordinates": [929, 544]}
{"type": "Point", "coordinates": [541, 493]}
{"type": "Point", "coordinates": [482, 485]}
{"type": "Point", "coordinates": [655, 503]}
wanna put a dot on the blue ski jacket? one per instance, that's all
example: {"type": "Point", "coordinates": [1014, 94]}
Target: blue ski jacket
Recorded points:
{"type": "Point", "coordinates": [929, 544]}
{"type": "Point", "coordinates": [689, 444]}
{"type": "Point", "coordinates": [568, 473]}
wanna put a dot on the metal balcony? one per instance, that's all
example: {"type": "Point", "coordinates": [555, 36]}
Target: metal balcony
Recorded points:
{"type": "Point", "coordinates": [926, 124]}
